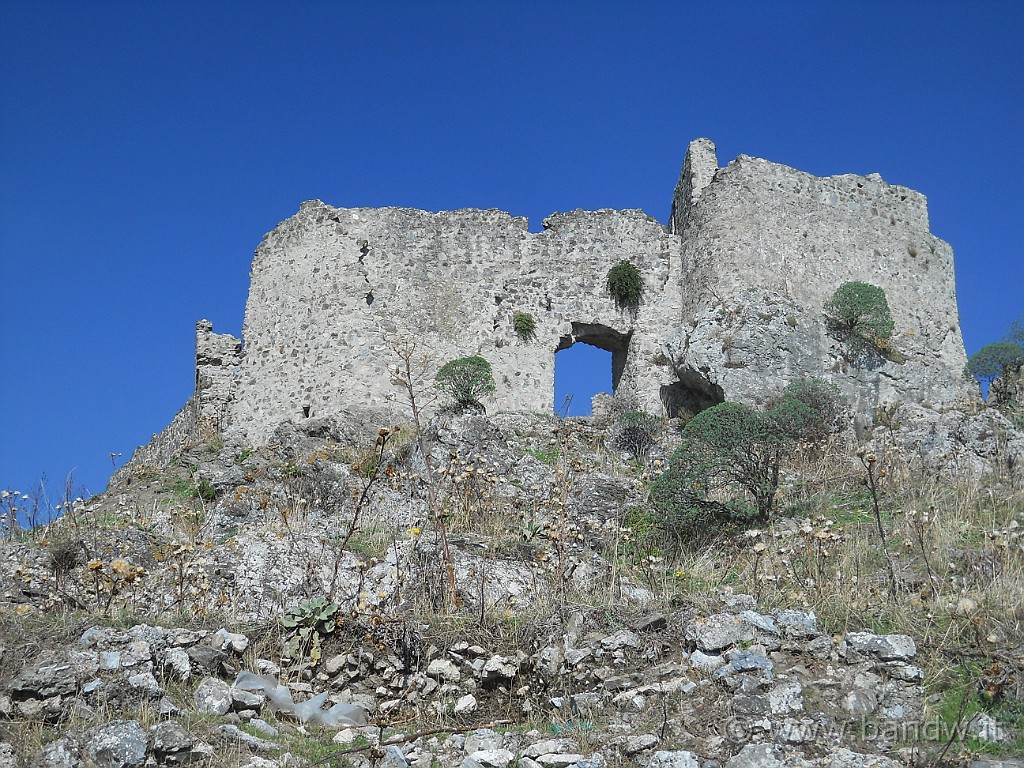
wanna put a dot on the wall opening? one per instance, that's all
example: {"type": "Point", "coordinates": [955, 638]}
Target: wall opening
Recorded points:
{"type": "Point", "coordinates": [581, 371]}
{"type": "Point", "coordinates": [690, 394]}
{"type": "Point", "coordinates": [589, 360]}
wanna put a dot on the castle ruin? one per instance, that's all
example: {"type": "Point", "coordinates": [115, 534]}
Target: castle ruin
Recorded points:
{"type": "Point", "coordinates": [734, 288]}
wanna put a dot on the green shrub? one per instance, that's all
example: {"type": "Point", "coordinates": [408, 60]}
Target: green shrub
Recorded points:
{"type": "Point", "coordinates": [858, 316]}
{"type": "Point", "coordinates": [185, 488]}
{"type": "Point", "coordinates": [992, 360]}
{"type": "Point", "coordinates": [725, 469]}
{"type": "Point", "coordinates": [525, 326]}
{"type": "Point", "coordinates": [466, 380]}
{"type": "Point", "coordinates": [791, 417]}
{"type": "Point", "coordinates": [625, 285]}
{"type": "Point", "coordinates": [809, 409]}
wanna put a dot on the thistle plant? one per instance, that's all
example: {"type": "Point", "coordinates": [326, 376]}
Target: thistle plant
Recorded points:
{"type": "Point", "coordinates": [9, 501]}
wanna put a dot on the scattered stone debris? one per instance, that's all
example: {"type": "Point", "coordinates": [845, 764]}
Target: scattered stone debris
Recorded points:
{"type": "Point", "coordinates": [758, 689]}
{"type": "Point", "coordinates": [519, 666]}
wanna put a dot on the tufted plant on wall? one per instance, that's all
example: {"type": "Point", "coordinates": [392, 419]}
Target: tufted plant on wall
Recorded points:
{"type": "Point", "coordinates": [525, 326]}
{"type": "Point", "coordinates": [466, 380]}
{"type": "Point", "coordinates": [625, 285]}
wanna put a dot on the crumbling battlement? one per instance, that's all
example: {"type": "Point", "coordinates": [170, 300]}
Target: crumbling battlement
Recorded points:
{"type": "Point", "coordinates": [732, 308]}
{"type": "Point", "coordinates": [218, 356]}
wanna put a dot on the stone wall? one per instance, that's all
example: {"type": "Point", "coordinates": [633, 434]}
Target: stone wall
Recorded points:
{"type": "Point", "coordinates": [333, 289]}
{"type": "Point", "coordinates": [206, 412]}
{"type": "Point", "coordinates": [218, 356]}
{"type": "Point", "coordinates": [734, 290]}
{"type": "Point", "coordinates": [765, 246]}
{"type": "Point", "coordinates": [165, 445]}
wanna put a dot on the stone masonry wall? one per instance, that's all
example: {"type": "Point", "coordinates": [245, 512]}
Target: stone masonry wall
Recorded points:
{"type": "Point", "coordinates": [734, 290]}
{"type": "Point", "coordinates": [206, 412]}
{"type": "Point", "coordinates": [333, 289]}
{"type": "Point", "coordinates": [165, 445]}
{"type": "Point", "coordinates": [766, 246]}
{"type": "Point", "coordinates": [218, 356]}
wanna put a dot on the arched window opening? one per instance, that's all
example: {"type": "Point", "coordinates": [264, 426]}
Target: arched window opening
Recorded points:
{"type": "Point", "coordinates": [588, 361]}
{"type": "Point", "coordinates": [581, 371]}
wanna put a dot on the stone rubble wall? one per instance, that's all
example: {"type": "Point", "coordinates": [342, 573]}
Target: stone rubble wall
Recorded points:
{"type": "Point", "coordinates": [766, 246]}
{"type": "Point", "coordinates": [734, 290]}
{"type": "Point", "coordinates": [217, 360]}
{"type": "Point", "coordinates": [165, 445]}
{"type": "Point", "coordinates": [218, 356]}
{"type": "Point", "coordinates": [738, 688]}
{"type": "Point", "coordinates": [333, 289]}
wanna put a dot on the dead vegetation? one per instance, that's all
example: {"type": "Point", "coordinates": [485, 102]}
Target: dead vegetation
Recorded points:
{"type": "Point", "coordinates": [416, 560]}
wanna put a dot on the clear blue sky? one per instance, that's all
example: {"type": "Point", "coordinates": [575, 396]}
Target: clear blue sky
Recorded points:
{"type": "Point", "coordinates": [146, 147]}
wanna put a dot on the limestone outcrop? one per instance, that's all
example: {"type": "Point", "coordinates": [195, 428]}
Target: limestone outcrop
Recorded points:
{"type": "Point", "coordinates": [732, 307]}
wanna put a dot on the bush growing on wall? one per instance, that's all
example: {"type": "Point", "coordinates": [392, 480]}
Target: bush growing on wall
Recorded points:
{"type": "Point", "coordinates": [466, 380]}
{"type": "Point", "coordinates": [809, 409]}
{"type": "Point", "coordinates": [858, 316]}
{"type": "Point", "coordinates": [625, 285]}
{"type": "Point", "coordinates": [525, 326]}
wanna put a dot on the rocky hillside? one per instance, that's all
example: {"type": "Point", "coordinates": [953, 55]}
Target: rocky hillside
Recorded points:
{"type": "Point", "coordinates": [500, 591]}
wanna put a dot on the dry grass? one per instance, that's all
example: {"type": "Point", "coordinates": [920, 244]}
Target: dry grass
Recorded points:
{"type": "Point", "coordinates": [951, 573]}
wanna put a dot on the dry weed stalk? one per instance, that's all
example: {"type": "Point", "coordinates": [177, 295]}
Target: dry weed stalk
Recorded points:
{"type": "Point", "coordinates": [411, 373]}
{"type": "Point", "coordinates": [870, 461]}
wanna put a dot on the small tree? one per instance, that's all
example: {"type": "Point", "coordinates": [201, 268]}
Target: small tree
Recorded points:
{"type": "Point", "coordinates": [992, 360]}
{"type": "Point", "coordinates": [809, 409]}
{"type": "Point", "coordinates": [466, 380]}
{"type": "Point", "coordinates": [726, 468]}
{"type": "Point", "coordinates": [625, 285]}
{"type": "Point", "coordinates": [858, 315]}
{"type": "Point", "coordinates": [1016, 333]}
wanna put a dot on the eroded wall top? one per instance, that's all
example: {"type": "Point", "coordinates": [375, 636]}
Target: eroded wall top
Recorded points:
{"type": "Point", "coordinates": [766, 246]}
{"type": "Point", "coordinates": [334, 290]}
